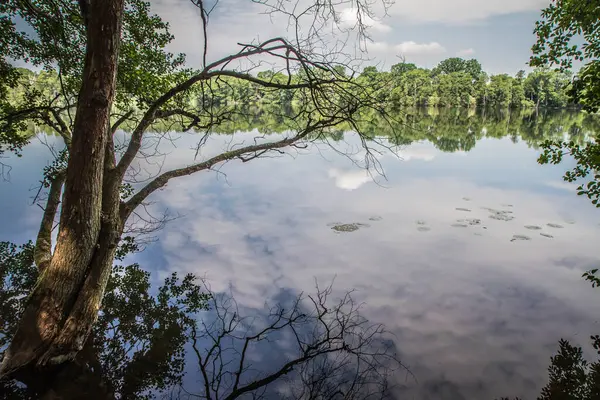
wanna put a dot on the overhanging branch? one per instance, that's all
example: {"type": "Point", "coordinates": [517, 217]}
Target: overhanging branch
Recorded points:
{"type": "Point", "coordinates": [120, 121]}
{"type": "Point", "coordinates": [162, 179]}
{"type": "Point", "coordinates": [217, 70]}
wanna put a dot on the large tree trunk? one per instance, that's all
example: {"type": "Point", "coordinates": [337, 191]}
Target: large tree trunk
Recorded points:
{"type": "Point", "coordinates": [64, 303]}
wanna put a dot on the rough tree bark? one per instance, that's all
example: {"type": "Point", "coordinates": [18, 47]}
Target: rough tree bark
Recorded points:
{"type": "Point", "coordinates": [55, 321]}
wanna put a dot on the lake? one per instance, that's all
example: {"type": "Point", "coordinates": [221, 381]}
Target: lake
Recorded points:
{"type": "Point", "coordinates": [467, 250]}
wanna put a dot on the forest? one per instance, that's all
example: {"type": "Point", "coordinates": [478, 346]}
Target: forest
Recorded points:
{"type": "Point", "coordinates": [454, 82]}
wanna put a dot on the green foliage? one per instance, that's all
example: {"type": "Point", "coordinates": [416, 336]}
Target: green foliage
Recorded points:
{"type": "Point", "coordinates": [10, 137]}
{"type": "Point", "coordinates": [500, 90]}
{"type": "Point", "coordinates": [588, 162]}
{"type": "Point", "coordinates": [137, 344]}
{"type": "Point", "coordinates": [127, 245]}
{"type": "Point", "coordinates": [55, 42]}
{"type": "Point", "coordinates": [58, 166]}
{"type": "Point", "coordinates": [585, 87]}
{"type": "Point", "coordinates": [447, 129]}
{"type": "Point", "coordinates": [591, 276]}
{"type": "Point", "coordinates": [568, 31]}
{"type": "Point", "coordinates": [547, 88]}
{"type": "Point", "coordinates": [405, 86]}
{"type": "Point", "coordinates": [140, 338]}
{"type": "Point", "coordinates": [456, 64]}
{"type": "Point", "coordinates": [146, 70]}
{"type": "Point", "coordinates": [459, 83]}
{"type": "Point", "coordinates": [402, 68]}
{"type": "Point", "coordinates": [571, 377]}
{"type": "Point", "coordinates": [17, 277]}
{"type": "Point", "coordinates": [455, 89]}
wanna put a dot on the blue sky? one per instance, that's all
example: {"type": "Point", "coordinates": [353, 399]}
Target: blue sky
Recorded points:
{"type": "Point", "coordinates": [496, 32]}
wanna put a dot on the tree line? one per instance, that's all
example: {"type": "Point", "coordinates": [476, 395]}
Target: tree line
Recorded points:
{"type": "Point", "coordinates": [454, 82]}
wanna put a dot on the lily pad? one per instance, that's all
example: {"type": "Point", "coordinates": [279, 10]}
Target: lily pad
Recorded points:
{"type": "Point", "coordinates": [555, 226]}
{"type": "Point", "coordinates": [501, 216]}
{"type": "Point", "coordinates": [469, 221]}
{"type": "Point", "coordinates": [533, 227]}
{"type": "Point", "coordinates": [348, 227]}
{"type": "Point", "coordinates": [519, 237]}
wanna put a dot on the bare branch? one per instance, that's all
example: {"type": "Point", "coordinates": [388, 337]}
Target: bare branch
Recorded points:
{"type": "Point", "coordinates": [217, 70]}
{"type": "Point", "coordinates": [162, 179]}
{"type": "Point", "coordinates": [332, 351]}
{"type": "Point", "coordinates": [204, 15]}
{"type": "Point", "coordinates": [120, 121]}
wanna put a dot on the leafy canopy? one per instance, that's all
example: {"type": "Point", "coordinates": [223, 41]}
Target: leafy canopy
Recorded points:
{"type": "Point", "coordinates": [55, 42]}
{"type": "Point", "coordinates": [569, 31]}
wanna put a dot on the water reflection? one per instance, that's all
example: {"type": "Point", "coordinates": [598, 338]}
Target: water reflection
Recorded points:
{"type": "Point", "coordinates": [142, 342]}
{"type": "Point", "coordinates": [472, 258]}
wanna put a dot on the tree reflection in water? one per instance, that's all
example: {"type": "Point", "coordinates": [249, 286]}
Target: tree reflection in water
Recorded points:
{"type": "Point", "coordinates": [144, 343]}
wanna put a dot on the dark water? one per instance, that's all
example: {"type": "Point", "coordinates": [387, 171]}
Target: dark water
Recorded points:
{"type": "Point", "coordinates": [468, 251]}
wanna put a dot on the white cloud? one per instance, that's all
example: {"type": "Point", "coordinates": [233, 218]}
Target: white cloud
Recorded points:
{"type": "Point", "coordinates": [465, 52]}
{"type": "Point", "coordinates": [425, 153]}
{"type": "Point", "coordinates": [413, 48]}
{"type": "Point", "coordinates": [266, 229]}
{"type": "Point", "coordinates": [409, 48]}
{"type": "Point", "coordinates": [570, 187]}
{"type": "Point", "coordinates": [349, 180]}
{"type": "Point", "coordinates": [378, 47]}
{"type": "Point", "coordinates": [349, 19]}
{"type": "Point", "coordinates": [461, 11]}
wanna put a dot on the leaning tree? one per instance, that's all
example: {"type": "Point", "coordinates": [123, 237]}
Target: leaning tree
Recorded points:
{"type": "Point", "coordinates": [114, 71]}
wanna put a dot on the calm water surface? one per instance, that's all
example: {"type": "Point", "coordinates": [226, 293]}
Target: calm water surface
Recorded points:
{"type": "Point", "coordinates": [473, 260]}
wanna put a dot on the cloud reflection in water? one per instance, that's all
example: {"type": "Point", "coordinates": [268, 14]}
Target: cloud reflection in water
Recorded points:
{"type": "Point", "coordinates": [474, 314]}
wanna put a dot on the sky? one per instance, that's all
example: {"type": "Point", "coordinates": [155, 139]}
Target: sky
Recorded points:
{"type": "Point", "coordinates": [499, 33]}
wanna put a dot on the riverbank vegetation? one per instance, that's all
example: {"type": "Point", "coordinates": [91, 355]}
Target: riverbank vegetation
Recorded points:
{"type": "Point", "coordinates": [454, 82]}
